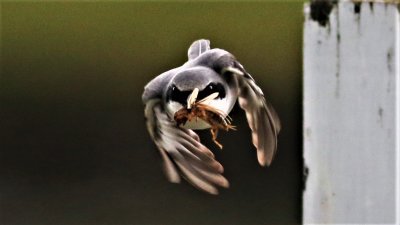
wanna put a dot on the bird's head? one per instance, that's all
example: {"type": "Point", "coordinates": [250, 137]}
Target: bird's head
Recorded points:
{"type": "Point", "coordinates": [199, 80]}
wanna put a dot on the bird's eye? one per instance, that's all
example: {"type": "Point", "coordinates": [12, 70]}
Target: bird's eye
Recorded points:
{"type": "Point", "coordinates": [174, 91]}
{"type": "Point", "coordinates": [176, 95]}
{"type": "Point", "coordinates": [211, 86]}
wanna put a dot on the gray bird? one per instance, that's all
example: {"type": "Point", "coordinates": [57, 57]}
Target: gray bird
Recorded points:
{"type": "Point", "coordinates": [214, 79]}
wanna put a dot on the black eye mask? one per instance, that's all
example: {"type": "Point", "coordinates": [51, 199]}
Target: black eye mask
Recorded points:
{"type": "Point", "coordinates": [176, 95]}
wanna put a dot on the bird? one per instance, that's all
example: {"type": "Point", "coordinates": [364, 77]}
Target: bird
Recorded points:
{"type": "Point", "coordinates": [199, 95]}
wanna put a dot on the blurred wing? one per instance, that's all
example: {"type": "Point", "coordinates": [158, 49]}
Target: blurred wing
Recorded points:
{"type": "Point", "coordinates": [197, 48]}
{"type": "Point", "coordinates": [182, 153]}
{"type": "Point", "coordinates": [261, 116]}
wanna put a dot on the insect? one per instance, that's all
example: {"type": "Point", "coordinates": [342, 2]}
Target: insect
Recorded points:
{"type": "Point", "coordinates": [216, 118]}
{"type": "Point", "coordinates": [172, 113]}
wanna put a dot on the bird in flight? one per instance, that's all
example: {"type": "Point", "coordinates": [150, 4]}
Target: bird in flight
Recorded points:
{"type": "Point", "coordinates": [200, 95]}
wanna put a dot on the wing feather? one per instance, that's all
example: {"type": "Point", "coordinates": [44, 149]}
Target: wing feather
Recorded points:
{"type": "Point", "coordinates": [261, 116]}
{"type": "Point", "coordinates": [197, 48]}
{"type": "Point", "coordinates": [182, 152]}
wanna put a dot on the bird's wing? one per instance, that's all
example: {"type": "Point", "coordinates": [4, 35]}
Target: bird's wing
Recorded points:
{"type": "Point", "coordinates": [261, 116]}
{"type": "Point", "coordinates": [181, 151]}
{"type": "Point", "coordinates": [197, 48]}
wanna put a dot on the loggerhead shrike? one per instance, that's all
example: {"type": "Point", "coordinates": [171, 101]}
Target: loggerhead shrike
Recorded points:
{"type": "Point", "coordinates": [212, 79]}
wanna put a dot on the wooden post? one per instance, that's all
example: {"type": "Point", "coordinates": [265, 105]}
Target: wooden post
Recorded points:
{"type": "Point", "coordinates": [352, 113]}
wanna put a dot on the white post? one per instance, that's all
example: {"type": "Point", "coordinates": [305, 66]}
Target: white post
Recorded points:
{"type": "Point", "coordinates": [352, 113]}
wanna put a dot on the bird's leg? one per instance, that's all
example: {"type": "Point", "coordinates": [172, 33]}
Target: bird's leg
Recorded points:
{"type": "Point", "coordinates": [214, 133]}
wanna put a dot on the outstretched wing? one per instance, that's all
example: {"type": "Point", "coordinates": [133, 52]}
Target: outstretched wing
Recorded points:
{"type": "Point", "coordinates": [197, 48]}
{"type": "Point", "coordinates": [261, 116]}
{"type": "Point", "coordinates": [181, 151]}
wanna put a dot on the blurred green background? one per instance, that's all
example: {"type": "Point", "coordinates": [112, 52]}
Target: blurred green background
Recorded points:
{"type": "Point", "coordinates": [73, 144]}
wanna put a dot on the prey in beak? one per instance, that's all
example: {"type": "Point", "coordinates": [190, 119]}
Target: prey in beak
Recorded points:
{"type": "Point", "coordinates": [200, 109]}
{"type": "Point", "coordinates": [199, 95]}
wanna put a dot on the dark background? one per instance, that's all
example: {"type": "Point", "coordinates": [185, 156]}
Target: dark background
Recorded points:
{"type": "Point", "coordinates": [73, 144]}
